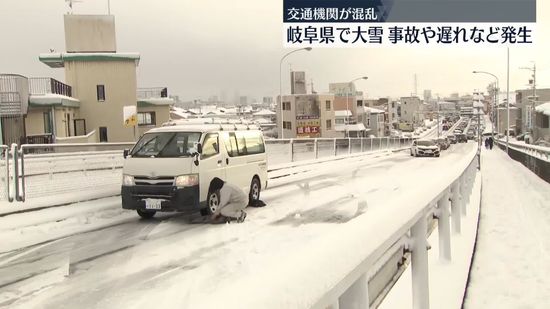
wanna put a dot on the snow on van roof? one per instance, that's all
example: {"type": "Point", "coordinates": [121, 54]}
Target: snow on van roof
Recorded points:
{"type": "Point", "coordinates": [203, 128]}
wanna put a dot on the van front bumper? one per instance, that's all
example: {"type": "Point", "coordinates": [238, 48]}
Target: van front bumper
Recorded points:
{"type": "Point", "coordinates": [172, 198]}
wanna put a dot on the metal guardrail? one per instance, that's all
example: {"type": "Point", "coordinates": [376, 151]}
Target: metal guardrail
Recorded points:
{"type": "Point", "coordinates": [533, 150]}
{"type": "Point", "coordinates": [535, 158]}
{"type": "Point", "coordinates": [41, 163]}
{"type": "Point", "coordinates": [80, 152]}
{"type": "Point", "coordinates": [449, 205]}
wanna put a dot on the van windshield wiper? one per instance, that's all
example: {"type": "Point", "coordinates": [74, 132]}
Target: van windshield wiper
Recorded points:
{"type": "Point", "coordinates": [143, 146]}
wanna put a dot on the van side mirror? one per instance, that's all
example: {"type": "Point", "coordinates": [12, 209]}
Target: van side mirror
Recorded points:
{"type": "Point", "coordinates": [125, 153]}
{"type": "Point", "coordinates": [199, 148]}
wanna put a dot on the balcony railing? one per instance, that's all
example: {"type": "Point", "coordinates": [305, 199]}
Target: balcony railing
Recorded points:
{"type": "Point", "coordinates": [44, 85]}
{"type": "Point", "coordinates": [153, 92]}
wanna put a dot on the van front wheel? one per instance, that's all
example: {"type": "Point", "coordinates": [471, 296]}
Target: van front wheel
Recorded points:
{"type": "Point", "coordinates": [255, 188]}
{"type": "Point", "coordinates": [213, 202]}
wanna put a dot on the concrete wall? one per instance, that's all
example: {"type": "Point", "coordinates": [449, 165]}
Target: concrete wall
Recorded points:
{"type": "Point", "coordinates": [410, 105]}
{"type": "Point", "coordinates": [34, 123]}
{"type": "Point", "coordinates": [119, 78]}
{"type": "Point", "coordinates": [91, 137]}
{"type": "Point", "coordinates": [323, 117]}
{"type": "Point", "coordinates": [162, 115]}
{"type": "Point", "coordinates": [90, 33]}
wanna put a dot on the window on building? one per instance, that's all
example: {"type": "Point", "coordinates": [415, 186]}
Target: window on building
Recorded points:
{"type": "Point", "coordinates": [545, 121]}
{"type": "Point", "coordinates": [103, 135]}
{"type": "Point", "coordinates": [100, 89]}
{"type": "Point", "coordinates": [393, 104]}
{"type": "Point", "coordinates": [327, 105]}
{"type": "Point", "coordinates": [48, 126]}
{"type": "Point", "coordinates": [368, 122]}
{"type": "Point", "coordinates": [329, 125]}
{"type": "Point", "coordinates": [287, 125]}
{"type": "Point", "coordinates": [146, 119]}
{"type": "Point", "coordinates": [339, 121]}
{"type": "Point", "coordinates": [359, 103]}
{"type": "Point", "coordinates": [286, 106]}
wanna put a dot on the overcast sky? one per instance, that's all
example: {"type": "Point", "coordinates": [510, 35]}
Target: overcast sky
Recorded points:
{"type": "Point", "coordinates": [203, 48]}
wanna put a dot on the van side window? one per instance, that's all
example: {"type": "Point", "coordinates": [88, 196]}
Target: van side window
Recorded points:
{"type": "Point", "coordinates": [254, 142]}
{"type": "Point", "coordinates": [230, 144]}
{"type": "Point", "coordinates": [241, 144]}
{"type": "Point", "coordinates": [210, 146]}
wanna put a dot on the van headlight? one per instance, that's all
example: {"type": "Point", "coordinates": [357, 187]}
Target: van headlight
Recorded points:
{"type": "Point", "coordinates": [186, 180]}
{"type": "Point", "coordinates": [128, 180]}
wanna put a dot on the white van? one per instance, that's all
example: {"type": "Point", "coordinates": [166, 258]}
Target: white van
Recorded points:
{"type": "Point", "coordinates": [171, 168]}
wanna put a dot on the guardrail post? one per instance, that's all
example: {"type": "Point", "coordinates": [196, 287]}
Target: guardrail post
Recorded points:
{"type": "Point", "coordinates": [388, 143]}
{"type": "Point", "coordinates": [371, 143]}
{"type": "Point", "coordinates": [362, 148]}
{"type": "Point", "coordinates": [335, 151]}
{"type": "Point", "coordinates": [464, 196]}
{"type": "Point", "coordinates": [316, 148]}
{"type": "Point", "coordinates": [444, 227]}
{"type": "Point", "coordinates": [356, 296]}
{"type": "Point", "coordinates": [291, 146]}
{"type": "Point", "coordinates": [420, 275]}
{"type": "Point", "coordinates": [455, 207]}
{"type": "Point", "coordinates": [15, 154]}
{"type": "Point", "coordinates": [349, 145]}
{"type": "Point", "coordinates": [22, 194]}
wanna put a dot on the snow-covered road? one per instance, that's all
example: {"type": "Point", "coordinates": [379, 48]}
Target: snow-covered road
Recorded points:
{"type": "Point", "coordinates": [168, 262]}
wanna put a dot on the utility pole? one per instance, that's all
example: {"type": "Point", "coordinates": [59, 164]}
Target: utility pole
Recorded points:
{"type": "Point", "coordinates": [533, 83]}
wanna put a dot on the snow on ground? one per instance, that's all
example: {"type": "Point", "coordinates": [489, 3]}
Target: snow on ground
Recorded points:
{"type": "Point", "coordinates": [511, 263]}
{"type": "Point", "coordinates": [169, 263]}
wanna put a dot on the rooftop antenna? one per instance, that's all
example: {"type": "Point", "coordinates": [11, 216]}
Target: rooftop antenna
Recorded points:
{"type": "Point", "coordinates": [415, 86]}
{"type": "Point", "coordinates": [108, 7]}
{"type": "Point", "coordinates": [71, 2]}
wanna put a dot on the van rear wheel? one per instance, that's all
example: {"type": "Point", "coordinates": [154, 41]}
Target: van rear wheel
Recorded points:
{"type": "Point", "coordinates": [255, 189]}
{"type": "Point", "coordinates": [146, 214]}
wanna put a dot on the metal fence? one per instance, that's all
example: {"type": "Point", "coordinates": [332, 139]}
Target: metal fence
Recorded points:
{"type": "Point", "coordinates": [292, 150]}
{"type": "Point", "coordinates": [49, 170]}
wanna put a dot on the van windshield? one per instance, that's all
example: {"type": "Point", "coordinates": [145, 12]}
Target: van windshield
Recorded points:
{"type": "Point", "coordinates": [167, 145]}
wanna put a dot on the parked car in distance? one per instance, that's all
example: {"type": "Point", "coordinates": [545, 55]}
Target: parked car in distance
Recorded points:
{"type": "Point", "coordinates": [461, 138]}
{"type": "Point", "coordinates": [425, 148]}
{"type": "Point", "coordinates": [452, 138]}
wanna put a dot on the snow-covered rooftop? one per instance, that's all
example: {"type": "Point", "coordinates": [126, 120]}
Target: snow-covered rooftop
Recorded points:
{"type": "Point", "coordinates": [50, 99]}
{"type": "Point", "coordinates": [156, 101]}
{"type": "Point", "coordinates": [264, 112]}
{"type": "Point", "coordinates": [351, 127]}
{"type": "Point", "coordinates": [371, 110]}
{"type": "Point", "coordinates": [57, 60]}
{"type": "Point", "coordinates": [543, 108]}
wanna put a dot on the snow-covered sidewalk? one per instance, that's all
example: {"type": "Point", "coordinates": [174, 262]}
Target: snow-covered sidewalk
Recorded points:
{"type": "Point", "coordinates": [511, 262]}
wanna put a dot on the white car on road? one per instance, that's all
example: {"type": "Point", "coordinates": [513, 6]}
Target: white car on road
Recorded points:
{"type": "Point", "coordinates": [425, 148]}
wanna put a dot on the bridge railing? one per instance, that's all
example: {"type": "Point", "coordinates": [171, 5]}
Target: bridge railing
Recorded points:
{"type": "Point", "coordinates": [43, 170]}
{"type": "Point", "coordinates": [536, 158]}
{"type": "Point", "coordinates": [344, 262]}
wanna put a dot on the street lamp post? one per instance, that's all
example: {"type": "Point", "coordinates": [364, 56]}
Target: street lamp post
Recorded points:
{"type": "Point", "coordinates": [281, 84]}
{"type": "Point", "coordinates": [495, 110]}
{"type": "Point", "coordinates": [347, 97]}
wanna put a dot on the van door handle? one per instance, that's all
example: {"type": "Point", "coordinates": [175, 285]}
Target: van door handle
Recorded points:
{"type": "Point", "coordinates": [226, 160]}
{"type": "Point", "coordinates": [219, 161]}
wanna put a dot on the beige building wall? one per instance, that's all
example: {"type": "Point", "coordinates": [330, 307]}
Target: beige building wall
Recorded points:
{"type": "Point", "coordinates": [162, 115]}
{"type": "Point", "coordinates": [119, 79]}
{"type": "Point", "coordinates": [90, 33]}
{"type": "Point", "coordinates": [34, 124]}
{"type": "Point", "coordinates": [35, 120]}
